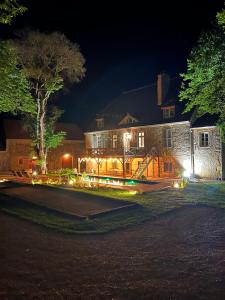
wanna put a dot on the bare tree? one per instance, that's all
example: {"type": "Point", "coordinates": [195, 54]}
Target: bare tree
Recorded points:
{"type": "Point", "coordinates": [49, 62]}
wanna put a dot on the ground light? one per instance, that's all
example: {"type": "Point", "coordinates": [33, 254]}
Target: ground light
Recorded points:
{"type": "Point", "coordinates": [3, 180]}
{"type": "Point", "coordinates": [176, 185]}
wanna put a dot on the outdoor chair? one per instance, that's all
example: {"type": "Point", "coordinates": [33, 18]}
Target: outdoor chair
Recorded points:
{"type": "Point", "coordinates": [25, 174]}
{"type": "Point", "coordinates": [14, 173]}
{"type": "Point", "coordinates": [19, 174]}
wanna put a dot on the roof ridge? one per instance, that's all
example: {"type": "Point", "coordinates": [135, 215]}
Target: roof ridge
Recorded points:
{"type": "Point", "coordinates": [140, 88]}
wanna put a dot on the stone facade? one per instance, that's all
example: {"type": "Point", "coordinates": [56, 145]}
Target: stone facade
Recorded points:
{"type": "Point", "coordinates": [207, 161]}
{"type": "Point", "coordinates": [18, 155]}
{"type": "Point", "coordinates": [177, 155]}
{"type": "Point", "coordinates": [183, 154]}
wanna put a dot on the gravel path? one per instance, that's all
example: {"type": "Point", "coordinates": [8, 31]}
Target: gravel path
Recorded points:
{"type": "Point", "coordinates": [180, 255]}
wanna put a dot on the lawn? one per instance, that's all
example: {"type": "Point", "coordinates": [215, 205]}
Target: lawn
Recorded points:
{"type": "Point", "coordinates": [151, 205]}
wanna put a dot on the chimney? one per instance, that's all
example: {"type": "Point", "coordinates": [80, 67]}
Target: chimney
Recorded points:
{"type": "Point", "coordinates": [163, 81]}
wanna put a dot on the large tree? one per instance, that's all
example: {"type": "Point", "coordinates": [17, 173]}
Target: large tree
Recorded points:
{"type": "Point", "coordinates": [49, 61]}
{"type": "Point", "coordinates": [9, 9]}
{"type": "Point", "coordinates": [15, 96]}
{"type": "Point", "coordinates": [221, 18]}
{"type": "Point", "coordinates": [52, 138]}
{"type": "Point", "coordinates": [203, 86]}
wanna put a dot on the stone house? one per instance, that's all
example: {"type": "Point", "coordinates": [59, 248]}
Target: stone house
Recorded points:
{"type": "Point", "coordinates": [16, 151]}
{"type": "Point", "coordinates": [144, 133]}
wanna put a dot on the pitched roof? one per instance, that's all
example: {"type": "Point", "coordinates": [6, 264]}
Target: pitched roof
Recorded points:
{"type": "Point", "coordinates": [205, 120]}
{"type": "Point", "coordinates": [142, 104]}
{"type": "Point", "coordinates": [13, 129]}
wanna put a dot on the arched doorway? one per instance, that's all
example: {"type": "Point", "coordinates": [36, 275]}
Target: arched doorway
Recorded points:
{"type": "Point", "coordinates": [67, 161]}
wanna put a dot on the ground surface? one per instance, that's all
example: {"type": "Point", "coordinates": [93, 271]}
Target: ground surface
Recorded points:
{"type": "Point", "coordinates": [179, 255]}
{"type": "Point", "coordinates": [62, 200]}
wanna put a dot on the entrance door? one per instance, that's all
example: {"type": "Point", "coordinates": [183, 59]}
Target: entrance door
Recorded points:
{"type": "Point", "coordinates": [128, 168]}
{"type": "Point", "coordinates": [67, 162]}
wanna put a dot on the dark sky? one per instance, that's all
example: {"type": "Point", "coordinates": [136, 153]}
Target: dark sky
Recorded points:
{"type": "Point", "coordinates": [125, 45]}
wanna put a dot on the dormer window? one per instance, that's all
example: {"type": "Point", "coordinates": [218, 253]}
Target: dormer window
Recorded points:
{"type": "Point", "coordinates": [128, 119]}
{"type": "Point", "coordinates": [100, 123]}
{"type": "Point", "coordinates": [168, 112]}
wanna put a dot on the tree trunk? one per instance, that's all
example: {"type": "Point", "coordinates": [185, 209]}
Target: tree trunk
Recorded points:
{"type": "Point", "coordinates": [42, 149]}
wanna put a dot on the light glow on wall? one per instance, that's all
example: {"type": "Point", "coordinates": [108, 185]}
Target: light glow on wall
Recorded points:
{"type": "Point", "coordinates": [187, 168]}
{"type": "Point", "coordinates": [198, 167]}
{"type": "Point", "coordinates": [176, 185]}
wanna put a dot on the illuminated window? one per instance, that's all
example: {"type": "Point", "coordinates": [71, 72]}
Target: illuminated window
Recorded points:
{"type": "Point", "coordinates": [168, 112]}
{"type": "Point", "coordinates": [168, 138]}
{"type": "Point", "coordinates": [141, 139]}
{"type": "Point", "coordinates": [204, 139]}
{"type": "Point", "coordinates": [168, 167]}
{"type": "Point", "coordinates": [114, 141]}
{"type": "Point", "coordinates": [100, 123]}
{"type": "Point", "coordinates": [115, 164]}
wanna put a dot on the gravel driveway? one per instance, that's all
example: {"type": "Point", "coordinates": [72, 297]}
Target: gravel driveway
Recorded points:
{"type": "Point", "coordinates": [180, 255]}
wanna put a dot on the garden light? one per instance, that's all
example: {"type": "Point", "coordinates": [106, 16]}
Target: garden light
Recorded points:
{"type": "Point", "coordinates": [176, 185]}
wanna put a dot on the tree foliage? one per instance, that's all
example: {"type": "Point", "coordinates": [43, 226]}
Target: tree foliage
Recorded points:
{"type": "Point", "coordinates": [52, 138]}
{"type": "Point", "coordinates": [15, 96]}
{"type": "Point", "coordinates": [9, 9]}
{"type": "Point", "coordinates": [203, 86]}
{"type": "Point", "coordinates": [49, 61]}
{"type": "Point", "coordinates": [221, 18]}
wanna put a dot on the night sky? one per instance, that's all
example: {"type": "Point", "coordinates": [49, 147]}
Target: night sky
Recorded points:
{"type": "Point", "coordinates": [125, 46]}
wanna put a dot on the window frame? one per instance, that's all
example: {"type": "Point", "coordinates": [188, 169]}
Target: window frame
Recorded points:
{"type": "Point", "coordinates": [115, 141]}
{"type": "Point", "coordinates": [100, 123]}
{"type": "Point", "coordinates": [168, 138]}
{"type": "Point", "coordinates": [168, 112]}
{"type": "Point", "coordinates": [141, 139]}
{"type": "Point", "coordinates": [202, 142]}
{"type": "Point", "coordinates": [99, 141]}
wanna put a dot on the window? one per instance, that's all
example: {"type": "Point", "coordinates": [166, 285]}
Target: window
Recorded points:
{"type": "Point", "coordinates": [168, 167]}
{"type": "Point", "coordinates": [114, 141]}
{"type": "Point", "coordinates": [20, 161]}
{"type": "Point", "coordinates": [204, 139]}
{"type": "Point", "coordinates": [100, 123]}
{"type": "Point", "coordinates": [141, 139]}
{"type": "Point", "coordinates": [99, 141]}
{"type": "Point", "coordinates": [168, 112]}
{"type": "Point", "coordinates": [168, 141]}
{"type": "Point", "coordinates": [128, 119]}
{"type": "Point", "coordinates": [115, 164]}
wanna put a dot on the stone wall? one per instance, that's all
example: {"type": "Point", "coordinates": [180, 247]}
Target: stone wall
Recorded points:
{"type": "Point", "coordinates": [208, 160]}
{"type": "Point", "coordinates": [4, 161]}
{"type": "Point", "coordinates": [154, 138]}
{"type": "Point", "coordinates": [73, 148]}
{"type": "Point", "coordinates": [19, 152]}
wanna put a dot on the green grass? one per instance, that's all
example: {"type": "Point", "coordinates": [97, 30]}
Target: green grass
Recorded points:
{"type": "Point", "coordinates": [151, 204]}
